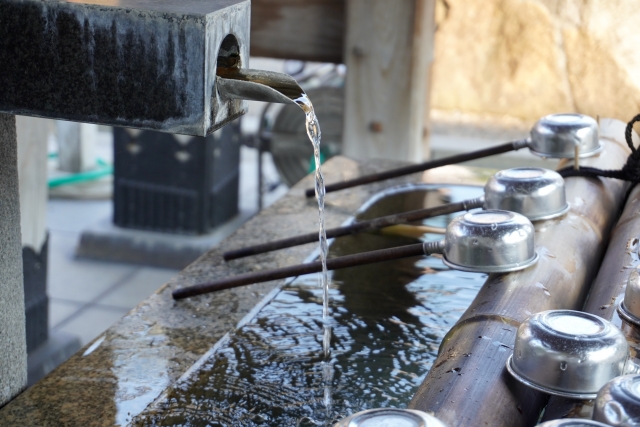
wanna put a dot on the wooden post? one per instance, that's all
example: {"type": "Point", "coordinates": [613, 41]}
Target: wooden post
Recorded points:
{"type": "Point", "coordinates": [13, 345]}
{"type": "Point", "coordinates": [388, 52]}
{"type": "Point", "coordinates": [308, 30]}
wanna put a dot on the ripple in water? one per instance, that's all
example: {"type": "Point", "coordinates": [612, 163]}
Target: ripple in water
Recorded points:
{"type": "Point", "coordinates": [388, 321]}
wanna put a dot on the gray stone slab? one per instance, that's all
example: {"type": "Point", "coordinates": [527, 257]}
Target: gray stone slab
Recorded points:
{"type": "Point", "coordinates": [107, 242]}
{"type": "Point", "coordinates": [132, 63]}
{"type": "Point", "coordinates": [13, 344]}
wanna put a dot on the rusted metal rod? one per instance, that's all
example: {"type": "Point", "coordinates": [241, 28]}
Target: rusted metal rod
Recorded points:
{"type": "Point", "coordinates": [421, 167]}
{"type": "Point", "coordinates": [357, 227]}
{"type": "Point", "coordinates": [619, 261]}
{"type": "Point", "coordinates": [297, 270]}
{"type": "Point", "coordinates": [468, 384]}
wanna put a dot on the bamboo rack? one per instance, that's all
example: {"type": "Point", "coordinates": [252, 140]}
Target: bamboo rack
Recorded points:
{"type": "Point", "coordinates": [468, 384]}
{"type": "Point", "coordinates": [618, 263]}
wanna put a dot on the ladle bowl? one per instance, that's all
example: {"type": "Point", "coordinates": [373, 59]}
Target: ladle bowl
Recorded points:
{"type": "Point", "coordinates": [536, 193]}
{"type": "Point", "coordinates": [558, 135]}
{"type": "Point", "coordinates": [629, 307]}
{"type": "Point", "coordinates": [490, 241]}
{"type": "Point", "coordinates": [568, 353]}
{"type": "Point", "coordinates": [387, 417]}
{"type": "Point", "coordinates": [618, 402]}
{"type": "Point", "coordinates": [572, 422]}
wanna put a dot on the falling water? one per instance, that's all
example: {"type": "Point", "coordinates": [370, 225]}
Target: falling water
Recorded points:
{"type": "Point", "coordinates": [281, 87]}
{"type": "Point", "coordinates": [388, 320]}
{"type": "Point", "coordinates": [313, 130]}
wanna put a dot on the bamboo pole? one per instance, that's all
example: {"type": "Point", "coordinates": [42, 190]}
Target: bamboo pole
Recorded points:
{"type": "Point", "coordinates": [619, 261]}
{"type": "Point", "coordinates": [468, 384]}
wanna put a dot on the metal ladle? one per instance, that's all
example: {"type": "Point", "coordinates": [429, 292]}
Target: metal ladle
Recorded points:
{"type": "Point", "coordinates": [568, 353]}
{"type": "Point", "coordinates": [618, 402]}
{"type": "Point", "coordinates": [558, 136]}
{"type": "Point", "coordinates": [388, 417]}
{"type": "Point", "coordinates": [492, 241]}
{"type": "Point", "coordinates": [572, 422]}
{"type": "Point", "coordinates": [536, 193]}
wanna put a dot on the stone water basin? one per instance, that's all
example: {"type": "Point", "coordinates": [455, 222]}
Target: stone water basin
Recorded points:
{"type": "Point", "coordinates": [163, 346]}
{"type": "Point", "coordinates": [388, 321]}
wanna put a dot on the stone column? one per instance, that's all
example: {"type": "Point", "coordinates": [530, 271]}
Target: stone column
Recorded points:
{"type": "Point", "coordinates": [13, 348]}
{"type": "Point", "coordinates": [32, 133]}
{"type": "Point", "coordinates": [75, 146]}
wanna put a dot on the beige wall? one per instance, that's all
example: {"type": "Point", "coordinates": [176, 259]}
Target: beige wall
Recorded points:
{"type": "Point", "coordinates": [528, 58]}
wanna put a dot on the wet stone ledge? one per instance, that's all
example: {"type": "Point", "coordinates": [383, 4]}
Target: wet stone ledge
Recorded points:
{"type": "Point", "coordinates": [118, 375]}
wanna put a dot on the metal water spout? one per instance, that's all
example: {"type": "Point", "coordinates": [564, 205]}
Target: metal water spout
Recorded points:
{"type": "Point", "coordinates": [257, 85]}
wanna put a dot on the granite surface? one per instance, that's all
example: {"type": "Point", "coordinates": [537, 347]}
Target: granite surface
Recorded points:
{"type": "Point", "coordinates": [118, 375]}
{"type": "Point", "coordinates": [13, 344]}
{"type": "Point", "coordinates": [133, 63]}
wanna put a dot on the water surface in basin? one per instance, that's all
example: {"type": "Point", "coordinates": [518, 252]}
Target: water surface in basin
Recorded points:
{"type": "Point", "coordinates": [388, 321]}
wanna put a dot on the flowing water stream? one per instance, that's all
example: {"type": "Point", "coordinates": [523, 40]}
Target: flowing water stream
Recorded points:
{"type": "Point", "coordinates": [388, 321]}
{"type": "Point", "coordinates": [277, 87]}
{"type": "Point", "coordinates": [313, 130]}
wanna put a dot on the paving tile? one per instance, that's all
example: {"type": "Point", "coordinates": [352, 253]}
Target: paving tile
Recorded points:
{"type": "Point", "coordinates": [138, 287]}
{"type": "Point", "coordinates": [91, 322]}
{"type": "Point", "coordinates": [77, 279]}
{"type": "Point", "coordinates": [75, 215]}
{"type": "Point", "coordinates": [60, 310]}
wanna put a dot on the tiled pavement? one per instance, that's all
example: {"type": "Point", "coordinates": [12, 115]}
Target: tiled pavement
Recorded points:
{"type": "Point", "coordinates": [87, 296]}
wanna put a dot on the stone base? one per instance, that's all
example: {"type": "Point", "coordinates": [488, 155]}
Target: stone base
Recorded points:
{"type": "Point", "coordinates": [106, 242]}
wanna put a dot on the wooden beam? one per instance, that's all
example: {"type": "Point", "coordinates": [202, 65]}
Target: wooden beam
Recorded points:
{"type": "Point", "coordinates": [388, 52]}
{"type": "Point", "coordinates": [308, 30]}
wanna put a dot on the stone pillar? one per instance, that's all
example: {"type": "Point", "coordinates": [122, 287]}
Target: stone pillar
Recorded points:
{"type": "Point", "coordinates": [13, 348]}
{"type": "Point", "coordinates": [32, 134]}
{"type": "Point", "coordinates": [75, 146]}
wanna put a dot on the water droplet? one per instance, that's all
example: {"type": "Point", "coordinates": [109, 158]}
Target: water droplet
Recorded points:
{"type": "Point", "coordinates": [494, 226]}
{"type": "Point", "coordinates": [563, 366]}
